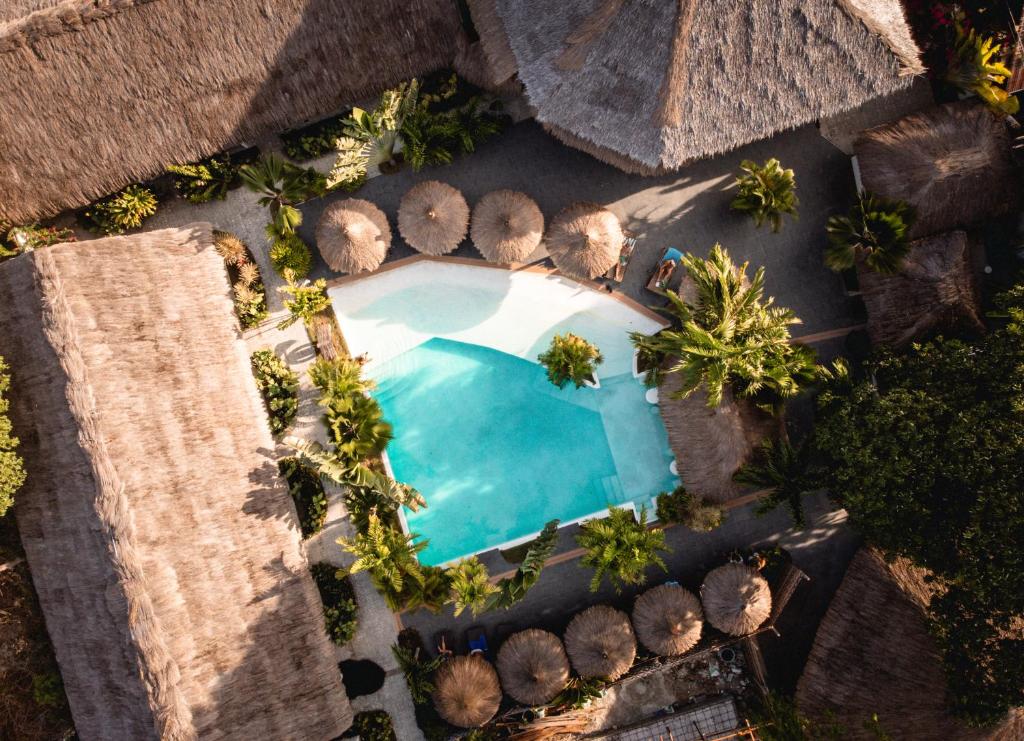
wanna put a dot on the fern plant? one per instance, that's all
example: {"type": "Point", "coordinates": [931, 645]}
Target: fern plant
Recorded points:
{"type": "Point", "coordinates": [620, 548]}
{"type": "Point", "coordinates": [766, 192]}
{"type": "Point", "coordinates": [973, 69]}
{"type": "Point", "coordinates": [570, 358]}
{"type": "Point", "coordinates": [876, 230]}
{"type": "Point", "coordinates": [204, 181]}
{"type": "Point", "coordinates": [123, 211]}
{"type": "Point", "coordinates": [470, 586]}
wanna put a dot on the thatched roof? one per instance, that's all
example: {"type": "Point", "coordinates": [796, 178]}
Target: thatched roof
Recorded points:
{"type": "Point", "coordinates": [584, 240]}
{"type": "Point", "coordinates": [466, 691]}
{"type": "Point", "coordinates": [353, 236]}
{"type": "Point", "coordinates": [433, 217]}
{"type": "Point", "coordinates": [935, 288]}
{"type": "Point", "coordinates": [600, 642]}
{"type": "Point", "coordinates": [951, 163]}
{"type": "Point", "coordinates": [163, 545]}
{"type": "Point", "coordinates": [668, 619]}
{"type": "Point", "coordinates": [736, 598]}
{"type": "Point", "coordinates": [650, 86]}
{"type": "Point", "coordinates": [710, 445]}
{"type": "Point", "coordinates": [244, 73]}
{"type": "Point", "coordinates": [533, 666]}
{"type": "Point", "coordinates": [873, 654]}
{"type": "Point", "coordinates": [507, 226]}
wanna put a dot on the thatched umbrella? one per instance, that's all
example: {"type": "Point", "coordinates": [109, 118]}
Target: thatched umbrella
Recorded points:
{"type": "Point", "coordinates": [353, 236]}
{"type": "Point", "coordinates": [736, 598]}
{"type": "Point", "coordinates": [533, 666]}
{"type": "Point", "coordinates": [600, 642]}
{"type": "Point", "coordinates": [507, 226]}
{"type": "Point", "coordinates": [466, 691]}
{"type": "Point", "coordinates": [668, 619]}
{"type": "Point", "coordinates": [433, 217]}
{"type": "Point", "coordinates": [584, 240]}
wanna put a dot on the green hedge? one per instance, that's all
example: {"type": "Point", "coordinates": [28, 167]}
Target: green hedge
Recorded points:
{"type": "Point", "coordinates": [307, 492]}
{"type": "Point", "coordinates": [279, 386]}
{"type": "Point", "coordinates": [339, 602]}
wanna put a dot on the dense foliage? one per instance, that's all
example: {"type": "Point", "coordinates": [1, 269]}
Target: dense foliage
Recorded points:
{"type": "Point", "coordinates": [974, 67]}
{"type": "Point", "coordinates": [246, 283]}
{"type": "Point", "coordinates": [926, 453]}
{"type": "Point", "coordinates": [571, 359]}
{"type": "Point", "coordinates": [767, 192]}
{"type": "Point", "coordinates": [374, 725]}
{"type": "Point", "coordinates": [389, 556]}
{"type": "Point", "coordinates": [307, 492]}
{"type": "Point", "coordinates": [281, 186]}
{"type": "Point", "coordinates": [371, 136]}
{"type": "Point", "coordinates": [621, 548]}
{"type": "Point", "coordinates": [307, 300]}
{"type": "Point", "coordinates": [279, 387]}
{"type": "Point", "coordinates": [12, 468]}
{"type": "Point", "coordinates": [289, 254]}
{"type": "Point", "coordinates": [689, 510]}
{"type": "Point", "coordinates": [339, 602]}
{"type": "Point", "coordinates": [204, 181]}
{"type": "Point", "coordinates": [17, 239]}
{"type": "Point", "coordinates": [471, 586]}
{"type": "Point", "coordinates": [875, 230]}
{"type": "Point", "coordinates": [783, 469]}
{"type": "Point", "coordinates": [731, 335]}
{"type": "Point", "coordinates": [122, 211]}
{"type": "Point", "coordinates": [314, 140]}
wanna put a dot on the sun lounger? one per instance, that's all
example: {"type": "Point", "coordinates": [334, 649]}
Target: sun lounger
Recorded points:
{"type": "Point", "coordinates": [618, 271]}
{"type": "Point", "coordinates": [662, 275]}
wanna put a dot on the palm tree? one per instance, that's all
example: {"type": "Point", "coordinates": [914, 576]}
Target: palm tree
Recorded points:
{"type": "Point", "coordinates": [281, 185]}
{"type": "Point", "coordinates": [621, 548]}
{"type": "Point", "coordinates": [731, 335]}
{"type": "Point", "coordinates": [973, 69]}
{"type": "Point", "coordinates": [785, 470]}
{"type": "Point", "coordinates": [388, 555]}
{"type": "Point", "coordinates": [418, 671]}
{"type": "Point", "coordinates": [766, 192]}
{"type": "Point", "coordinates": [307, 300]}
{"type": "Point", "coordinates": [471, 586]}
{"type": "Point", "coordinates": [339, 376]}
{"type": "Point", "coordinates": [875, 230]}
{"type": "Point", "coordinates": [330, 465]}
{"type": "Point", "coordinates": [356, 427]}
{"type": "Point", "coordinates": [513, 588]}
{"type": "Point", "coordinates": [570, 358]}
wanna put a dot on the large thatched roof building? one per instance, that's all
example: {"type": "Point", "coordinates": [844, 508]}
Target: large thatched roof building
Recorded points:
{"type": "Point", "coordinates": [873, 654]}
{"type": "Point", "coordinates": [951, 164]}
{"type": "Point", "coordinates": [96, 95]}
{"type": "Point", "coordinates": [162, 543]}
{"type": "Point", "coordinates": [651, 85]}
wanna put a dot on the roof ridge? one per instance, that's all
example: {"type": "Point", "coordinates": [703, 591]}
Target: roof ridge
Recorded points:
{"type": "Point", "coordinates": [670, 107]}
{"type": "Point", "coordinates": [869, 13]}
{"type": "Point", "coordinates": [65, 17]}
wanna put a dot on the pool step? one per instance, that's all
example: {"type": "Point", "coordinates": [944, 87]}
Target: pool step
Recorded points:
{"type": "Point", "coordinates": [612, 488]}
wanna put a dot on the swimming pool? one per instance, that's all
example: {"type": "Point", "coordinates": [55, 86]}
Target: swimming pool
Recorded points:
{"type": "Point", "coordinates": [494, 447]}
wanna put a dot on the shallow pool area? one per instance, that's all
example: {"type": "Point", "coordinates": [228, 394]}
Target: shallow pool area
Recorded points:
{"type": "Point", "coordinates": [494, 447]}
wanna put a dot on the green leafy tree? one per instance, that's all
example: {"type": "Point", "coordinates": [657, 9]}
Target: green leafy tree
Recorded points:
{"type": "Point", "coordinates": [471, 586]}
{"type": "Point", "coordinates": [767, 192]}
{"type": "Point", "coordinates": [123, 211]}
{"type": "Point", "coordinates": [570, 358]}
{"type": "Point", "coordinates": [389, 556]}
{"type": "Point", "coordinates": [512, 589]}
{"type": "Point", "coordinates": [620, 548]}
{"type": "Point", "coordinates": [925, 455]}
{"type": "Point", "coordinates": [689, 510]}
{"type": "Point", "coordinates": [307, 300]}
{"type": "Point", "coordinates": [12, 468]}
{"type": "Point", "coordinates": [786, 471]}
{"type": "Point", "coordinates": [282, 185]}
{"type": "Point", "coordinates": [974, 68]}
{"type": "Point", "coordinates": [731, 335]}
{"type": "Point", "coordinates": [204, 181]}
{"type": "Point", "coordinates": [876, 230]}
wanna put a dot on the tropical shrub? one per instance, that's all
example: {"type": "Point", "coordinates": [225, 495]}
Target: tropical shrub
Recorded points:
{"type": "Point", "coordinates": [876, 230]}
{"type": "Point", "coordinates": [370, 136]}
{"type": "Point", "coordinates": [17, 239]}
{"type": "Point", "coordinates": [247, 286]}
{"type": "Point", "coordinates": [730, 336]}
{"type": "Point", "coordinates": [12, 468]}
{"type": "Point", "coordinates": [974, 68]}
{"type": "Point", "coordinates": [307, 492]}
{"type": "Point", "coordinates": [306, 300]}
{"type": "Point", "coordinates": [312, 141]}
{"type": "Point", "coordinates": [281, 186]}
{"type": "Point", "coordinates": [418, 669]}
{"type": "Point", "coordinates": [339, 600]}
{"type": "Point", "coordinates": [289, 254]}
{"type": "Point", "coordinates": [471, 586]}
{"type": "Point", "coordinates": [389, 557]}
{"type": "Point", "coordinates": [122, 211]}
{"type": "Point", "coordinates": [432, 137]}
{"type": "Point", "coordinates": [355, 423]}
{"type": "Point", "coordinates": [374, 725]}
{"type": "Point", "coordinates": [383, 495]}
{"type": "Point", "coordinates": [279, 387]}
{"type": "Point", "coordinates": [924, 453]}
{"type": "Point", "coordinates": [204, 181]}
{"type": "Point", "coordinates": [513, 588]}
{"type": "Point", "coordinates": [579, 693]}
{"type": "Point", "coordinates": [683, 508]}
{"type": "Point", "coordinates": [570, 358]}
{"type": "Point", "coordinates": [620, 548]}
{"type": "Point", "coordinates": [785, 470]}
{"type": "Point", "coordinates": [766, 192]}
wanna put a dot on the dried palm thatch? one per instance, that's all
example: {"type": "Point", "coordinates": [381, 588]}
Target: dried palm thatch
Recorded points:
{"type": "Point", "coordinates": [163, 545]}
{"type": "Point", "coordinates": [353, 236]}
{"type": "Point", "coordinates": [507, 226]}
{"type": "Point", "coordinates": [600, 643]}
{"type": "Point", "coordinates": [432, 217]}
{"type": "Point", "coordinates": [533, 666]}
{"type": "Point", "coordinates": [951, 163]}
{"type": "Point", "coordinates": [935, 288]}
{"type": "Point", "coordinates": [659, 84]}
{"type": "Point", "coordinates": [244, 73]}
{"type": "Point", "coordinates": [466, 691]}
{"type": "Point", "coordinates": [584, 240]}
{"type": "Point", "coordinates": [736, 598]}
{"type": "Point", "coordinates": [709, 444]}
{"type": "Point", "coordinates": [668, 619]}
{"type": "Point", "coordinates": [472, 64]}
{"type": "Point", "coordinates": [493, 42]}
{"type": "Point", "coordinates": [873, 654]}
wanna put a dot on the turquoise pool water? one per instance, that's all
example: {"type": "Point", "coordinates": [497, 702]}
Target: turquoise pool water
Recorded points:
{"type": "Point", "coordinates": [497, 450]}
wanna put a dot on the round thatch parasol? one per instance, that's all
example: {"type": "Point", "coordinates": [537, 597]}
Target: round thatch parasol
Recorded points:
{"type": "Point", "coordinates": [584, 240]}
{"type": "Point", "coordinates": [353, 236]}
{"type": "Point", "coordinates": [533, 666]}
{"type": "Point", "coordinates": [668, 619]}
{"type": "Point", "coordinates": [466, 691]}
{"type": "Point", "coordinates": [433, 217]}
{"type": "Point", "coordinates": [507, 226]}
{"type": "Point", "coordinates": [600, 642]}
{"type": "Point", "coordinates": [736, 598]}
